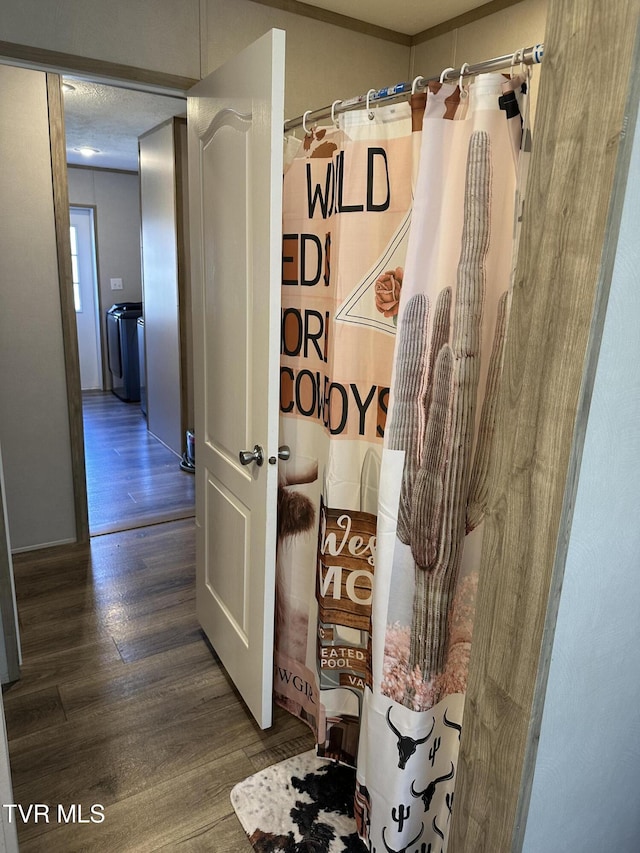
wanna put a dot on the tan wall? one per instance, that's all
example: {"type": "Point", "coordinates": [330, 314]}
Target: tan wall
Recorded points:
{"type": "Point", "coordinates": [191, 38]}
{"type": "Point", "coordinates": [161, 35]}
{"type": "Point", "coordinates": [34, 425]}
{"type": "Point", "coordinates": [324, 62]}
{"type": "Point", "coordinates": [504, 32]}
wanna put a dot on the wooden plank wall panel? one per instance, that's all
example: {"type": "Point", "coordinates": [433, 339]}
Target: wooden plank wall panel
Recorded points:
{"type": "Point", "coordinates": [563, 274]}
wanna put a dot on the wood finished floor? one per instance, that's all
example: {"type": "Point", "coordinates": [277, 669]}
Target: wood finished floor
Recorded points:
{"type": "Point", "coordinates": [123, 703]}
{"type": "Point", "coordinates": [132, 478]}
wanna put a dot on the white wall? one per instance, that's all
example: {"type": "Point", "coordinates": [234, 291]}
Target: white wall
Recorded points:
{"type": "Point", "coordinates": [116, 197]}
{"type": "Point", "coordinates": [34, 425]}
{"type": "Point", "coordinates": [587, 777]}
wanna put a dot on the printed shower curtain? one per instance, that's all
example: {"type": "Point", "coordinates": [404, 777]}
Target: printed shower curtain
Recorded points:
{"type": "Point", "coordinates": [346, 210]}
{"type": "Point", "coordinates": [435, 462]}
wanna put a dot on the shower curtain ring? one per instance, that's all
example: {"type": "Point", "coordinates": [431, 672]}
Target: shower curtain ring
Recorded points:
{"type": "Point", "coordinates": [518, 56]}
{"type": "Point", "coordinates": [463, 91]}
{"type": "Point", "coordinates": [333, 112]}
{"type": "Point", "coordinates": [369, 110]}
{"type": "Point", "coordinates": [445, 72]}
{"type": "Point", "coordinates": [304, 121]}
{"type": "Point", "coordinates": [416, 82]}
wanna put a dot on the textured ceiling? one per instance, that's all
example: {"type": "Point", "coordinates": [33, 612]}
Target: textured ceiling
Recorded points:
{"type": "Point", "coordinates": [112, 119]}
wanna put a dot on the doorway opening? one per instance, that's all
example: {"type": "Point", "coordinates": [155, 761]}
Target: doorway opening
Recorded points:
{"type": "Point", "coordinates": [85, 295]}
{"type": "Point", "coordinates": [132, 477]}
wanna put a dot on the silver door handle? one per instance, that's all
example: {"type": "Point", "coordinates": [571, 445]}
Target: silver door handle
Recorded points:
{"type": "Point", "coordinates": [248, 456]}
{"type": "Point", "coordinates": [284, 453]}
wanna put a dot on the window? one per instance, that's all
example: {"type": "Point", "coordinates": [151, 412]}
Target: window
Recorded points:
{"type": "Point", "coordinates": [74, 269]}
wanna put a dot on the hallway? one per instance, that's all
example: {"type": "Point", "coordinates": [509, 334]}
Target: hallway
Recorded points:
{"type": "Point", "coordinates": [123, 703]}
{"type": "Point", "coordinates": [132, 478]}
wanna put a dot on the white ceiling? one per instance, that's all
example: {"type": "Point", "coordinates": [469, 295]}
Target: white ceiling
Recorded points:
{"type": "Point", "coordinates": [111, 119]}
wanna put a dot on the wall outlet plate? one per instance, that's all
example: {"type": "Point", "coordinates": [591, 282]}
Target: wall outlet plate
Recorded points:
{"type": "Point", "coordinates": [116, 284]}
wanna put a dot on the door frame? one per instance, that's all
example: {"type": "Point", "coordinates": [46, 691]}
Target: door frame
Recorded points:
{"type": "Point", "coordinates": [112, 74]}
{"type": "Point", "coordinates": [96, 285]}
{"type": "Point", "coordinates": [60, 191]}
{"type": "Point", "coordinates": [495, 770]}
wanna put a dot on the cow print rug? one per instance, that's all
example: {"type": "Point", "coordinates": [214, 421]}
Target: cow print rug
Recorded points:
{"type": "Point", "coordinates": [302, 805]}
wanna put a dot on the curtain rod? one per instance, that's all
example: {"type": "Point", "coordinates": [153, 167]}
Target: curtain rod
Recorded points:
{"type": "Point", "coordinates": [527, 56]}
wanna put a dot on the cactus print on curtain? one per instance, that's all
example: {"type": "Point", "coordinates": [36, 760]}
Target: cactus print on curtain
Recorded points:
{"type": "Point", "coordinates": [346, 209]}
{"type": "Point", "coordinates": [451, 329]}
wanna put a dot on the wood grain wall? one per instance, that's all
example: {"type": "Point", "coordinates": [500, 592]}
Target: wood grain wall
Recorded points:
{"type": "Point", "coordinates": [60, 196]}
{"type": "Point", "coordinates": [578, 172]}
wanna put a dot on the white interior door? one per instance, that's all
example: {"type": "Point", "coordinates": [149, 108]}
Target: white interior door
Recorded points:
{"type": "Point", "coordinates": [83, 257]}
{"type": "Point", "coordinates": [235, 121]}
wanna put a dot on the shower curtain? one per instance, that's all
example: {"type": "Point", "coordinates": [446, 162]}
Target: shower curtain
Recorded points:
{"type": "Point", "coordinates": [346, 208]}
{"type": "Point", "coordinates": [435, 463]}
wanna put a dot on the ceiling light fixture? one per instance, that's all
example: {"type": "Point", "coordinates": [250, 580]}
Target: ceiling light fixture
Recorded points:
{"type": "Point", "coordinates": [87, 150]}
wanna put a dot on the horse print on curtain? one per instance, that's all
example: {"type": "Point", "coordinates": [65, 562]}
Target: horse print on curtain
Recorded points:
{"type": "Point", "coordinates": [451, 329]}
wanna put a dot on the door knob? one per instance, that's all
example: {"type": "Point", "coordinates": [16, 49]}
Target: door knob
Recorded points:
{"type": "Point", "coordinates": [284, 453]}
{"type": "Point", "coordinates": [248, 456]}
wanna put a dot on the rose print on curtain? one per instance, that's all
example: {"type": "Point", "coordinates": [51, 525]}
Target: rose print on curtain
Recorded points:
{"type": "Point", "coordinates": [346, 208]}
{"type": "Point", "coordinates": [388, 288]}
{"type": "Point", "coordinates": [448, 356]}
